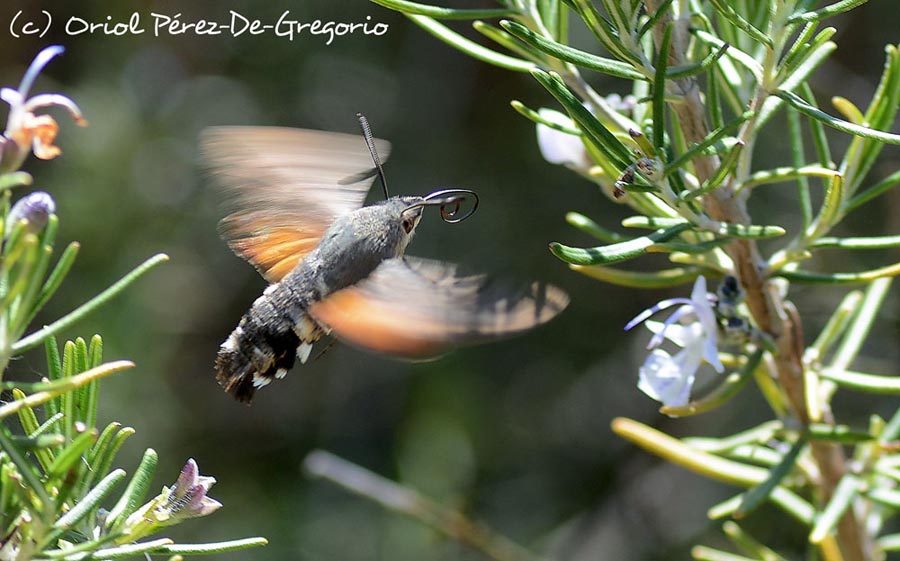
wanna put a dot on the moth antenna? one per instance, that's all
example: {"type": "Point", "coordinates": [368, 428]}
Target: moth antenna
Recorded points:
{"type": "Point", "coordinates": [370, 143]}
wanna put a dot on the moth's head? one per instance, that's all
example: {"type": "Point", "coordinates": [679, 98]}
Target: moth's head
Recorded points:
{"type": "Point", "coordinates": [404, 213]}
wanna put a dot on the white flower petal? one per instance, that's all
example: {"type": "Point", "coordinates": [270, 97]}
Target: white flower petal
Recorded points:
{"type": "Point", "coordinates": [10, 96]}
{"type": "Point", "coordinates": [676, 332]}
{"type": "Point", "coordinates": [668, 378]}
{"type": "Point", "coordinates": [559, 147]}
{"type": "Point", "coordinates": [711, 354]}
{"type": "Point", "coordinates": [691, 356]}
{"type": "Point", "coordinates": [698, 293]}
{"type": "Point", "coordinates": [663, 378]}
{"type": "Point", "coordinates": [38, 64]}
{"type": "Point", "coordinates": [670, 321]}
{"type": "Point", "coordinates": [659, 306]}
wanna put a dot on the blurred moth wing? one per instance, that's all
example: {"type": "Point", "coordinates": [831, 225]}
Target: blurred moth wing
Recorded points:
{"type": "Point", "coordinates": [418, 309]}
{"type": "Point", "coordinates": [284, 187]}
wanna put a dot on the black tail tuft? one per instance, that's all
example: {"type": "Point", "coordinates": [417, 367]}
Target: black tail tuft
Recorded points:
{"type": "Point", "coordinates": [249, 359]}
{"type": "Point", "coordinates": [234, 372]}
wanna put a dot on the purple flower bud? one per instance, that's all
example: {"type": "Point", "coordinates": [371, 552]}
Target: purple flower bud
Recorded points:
{"type": "Point", "coordinates": [35, 209]}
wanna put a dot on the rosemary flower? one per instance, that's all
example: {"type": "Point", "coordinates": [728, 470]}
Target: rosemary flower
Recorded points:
{"type": "Point", "coordinates": [187, 498]}
{"type": "Point", "coordinates": [558, 147]}
{"type": "Point", "coordinates": [26, 132]}
{"type": "Point", "coordinates": [669, 378]}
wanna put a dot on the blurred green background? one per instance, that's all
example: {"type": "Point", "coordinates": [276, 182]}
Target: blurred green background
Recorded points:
{"type": "Point", "coordinates": [514, 433]}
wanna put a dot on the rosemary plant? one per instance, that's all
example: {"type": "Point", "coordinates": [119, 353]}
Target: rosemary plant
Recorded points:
{"type": "Point", "coordinates": [60, 494]}
{"type": "Point", "coordinates": [707, 76]}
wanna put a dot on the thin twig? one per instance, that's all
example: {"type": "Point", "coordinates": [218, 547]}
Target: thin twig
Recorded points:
{"type": "Point", "coordinates": [404, 500]}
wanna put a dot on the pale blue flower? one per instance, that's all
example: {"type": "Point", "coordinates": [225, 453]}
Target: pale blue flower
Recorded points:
{"type": "Point", "coordinates": [668, 378]}
{"type": "Point", "coordinates": [26, 132]}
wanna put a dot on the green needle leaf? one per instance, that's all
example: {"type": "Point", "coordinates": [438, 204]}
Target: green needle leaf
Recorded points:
{"type": "Point", "coordinates": [879, 188]}
{"type": "Point", "coordinates": [827, 11]}
{"type": "Point", "coordinates": [890, 542]}
{"type": "Point", "coordinates": [605, 140]}
{"type": "Point", "coordinates": [659, 90]}
{"type": "Point", "coordinates": [788, 173]}
{"type": "Point", "coordinates": [32, 428]}
{"type": "Point", "coordinates": [661, 11]}
{"type": "Point", "coordinates": [26, 469]}
{"type": "Point", "coordinates": [686, 71]}
{"type": "Point", "coordinates": [615, 253]}
{"type": "Point", "coordinates": [56, 276]}
{"type": "Point", "coordinates": [509, 42]}
{"type": "Point", "coordinates": [835, 327]}
{"type": "Point", "coordinates": [798, 156]}
{"type": "Point", "coordinates": [844, 126]}
{"type": "Point", "coordinates": [15, 179]}
{"type": "Point", "coordinates": [652, 222]}
{"type": "Point", "coordinates": [704, 553]}
{"type": "Point", "coordinates": [844, 493]}
{"type": "Point", "coordinates": [878, 242]}
{"type": "Point", "coordinates": [537, 118]}
{"type": "Point", "coordinates": [837, 433]}
{"type": "Point", "coordinates": [725, 168]}
{"type": "Point", "coordinates": [72, 453]}
{"type": "Point", "coordinates": [848, 109]}
{"type": "Point", "coordinates": [723, 229]}
{"type": "Point", "coordinates": [118, 552]}
{"type": "Point", "coordinates": [747, 543]}
{"type": "Point", "coordinates": [136, 491]}
{"type": "Point", "coordinates": [71, 318]}
{"type": "Point", "coordinates": [885, 496]}
{"type": "Point", "coordinates": [591, 228]}
{"type": "Point", "coordinates": [760, 493]}
{"type": "Point", "coordinates": [734, 17]}
{"type": "Point", "coordinates": [869, 383]}
{"type": "Point", "coordinates": [830, 212]}
{"type": "Point", "coordinates": [862, 323]}
{"type": "Point", "coordinates": [443, 13]}
{"type": "Point", "coordinates": [679, 453]}
{"type": "Point", "coordinates": [569, 54]}
{"type": "Point", "coordinates": [207, 548]}
{"type": "Point", "coordinates": [38, 444]}
{"type": "Point", "coordinates": [791, 503]}
{"type": "Point", "coordinates": [90, 501]}
{"type": "Point", "coordinates": [711, 139]}
{"type": "Point", "coordinates": [65, 385]}
{"type": "Point", "coordinates": [470, 47]}
{"type": "Point", "coordinates": [810, 277]}
{"type": "Point", "coordinates": [636, 279]}
{"type": "Point", "coordinates": [732, 53]}
{"type": "Point", "coordinates": [103, 458]}
{"type": "Point", "coordinates": [749, 232]}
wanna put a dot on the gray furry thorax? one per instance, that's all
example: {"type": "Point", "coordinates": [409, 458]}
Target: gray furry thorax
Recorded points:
{"type": "Point", "coordinates": [351, 249]}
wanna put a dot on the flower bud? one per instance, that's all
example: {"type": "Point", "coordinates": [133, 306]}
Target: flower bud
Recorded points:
{"type": "Point", "coordinates": [35, 209]}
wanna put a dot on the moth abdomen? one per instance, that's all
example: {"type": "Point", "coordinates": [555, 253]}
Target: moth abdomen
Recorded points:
{"type": "Point", "coordinates": [263, 346]}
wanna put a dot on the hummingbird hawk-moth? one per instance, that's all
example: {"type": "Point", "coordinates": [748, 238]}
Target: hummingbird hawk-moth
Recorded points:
{"type": "Point", "coordinates": [336, 267]}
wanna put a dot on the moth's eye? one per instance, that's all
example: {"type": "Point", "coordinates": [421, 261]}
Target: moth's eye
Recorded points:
{"type": "Point", "coordinates": [408, 225]}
